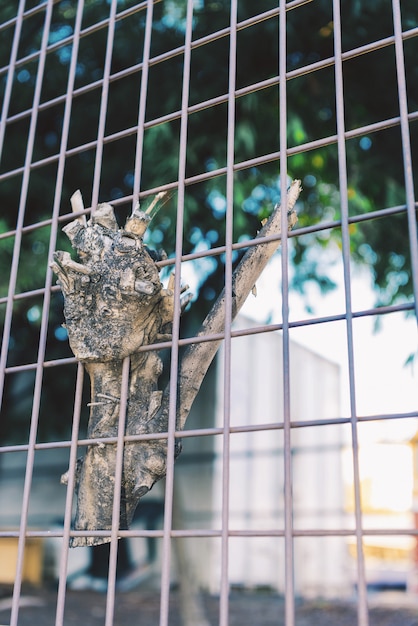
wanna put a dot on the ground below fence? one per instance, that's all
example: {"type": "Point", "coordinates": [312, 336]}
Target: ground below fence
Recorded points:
{"type": "Point", "coordinates": [250, 608]}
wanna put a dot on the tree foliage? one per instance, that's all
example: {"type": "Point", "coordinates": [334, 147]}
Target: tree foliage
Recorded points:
{"type": "Point", "coordinates": [374, 159]}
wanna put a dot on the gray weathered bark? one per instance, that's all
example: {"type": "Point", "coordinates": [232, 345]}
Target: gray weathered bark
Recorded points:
{"type": "Point", "coordinates": [114, 304]}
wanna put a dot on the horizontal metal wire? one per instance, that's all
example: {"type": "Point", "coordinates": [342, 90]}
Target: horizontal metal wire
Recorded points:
{"type": "Point", "coordinates": [202, 532]}
{"type": "Point", "coordinates": [25, 15]}
{"type": "Point", "coordinates": [212, 432]}
{"type": "Point", "coordinates": [382, 310]}
{"type": "Point", "coordinates": [319, 226]}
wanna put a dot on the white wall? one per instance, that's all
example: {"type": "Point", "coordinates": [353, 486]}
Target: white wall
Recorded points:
{"type": "Point", "coordinates": [256, 479]}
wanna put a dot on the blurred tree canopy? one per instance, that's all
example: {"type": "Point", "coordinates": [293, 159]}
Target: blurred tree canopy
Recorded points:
{"type": "Point", "coordinates": [374, 159]}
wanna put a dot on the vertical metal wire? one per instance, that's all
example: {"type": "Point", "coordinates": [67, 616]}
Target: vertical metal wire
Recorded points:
{"type": "Point", "coordinates": [224, 591]}
{"type": "Point", "coordinates": [42, 338]}
{"type": "Point", "coordinates": [10, 74]}
{"type": "Point", "coordinates": [362, 608]}
{"type": "Point", "coordinates": [17, 243]}
{"type": "Point", "coordinates": [168, 509]}
{"type": "Point", "coordinates": [288, 497]}
{"type": "Point", "coordinates": [78, 392]}
{"type": "Point", "coordinates": [406, 148]}
{"type": "Point", "coordinates": [111, 579]}
{"type": "Point", "coordinates": [103, 106]}
{"type": "Point", "coordinates": [18, 238]}
{"type": "Point", "coordinates": [62, 580]}
{"type": "Point", "coordinates": [111, 587]}
{"type": "Point", "coordinates": [142, 104]}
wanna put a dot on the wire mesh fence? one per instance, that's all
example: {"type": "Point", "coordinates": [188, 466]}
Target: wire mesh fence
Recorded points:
{"type": "Point", "coordinates": [219, 105]}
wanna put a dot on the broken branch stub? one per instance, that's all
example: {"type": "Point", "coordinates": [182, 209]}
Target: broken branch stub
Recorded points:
{"type": "Point", "coordinates": [115, 304]}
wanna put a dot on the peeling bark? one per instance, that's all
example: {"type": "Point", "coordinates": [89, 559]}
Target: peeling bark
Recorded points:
{"type": "Point", "coordinates": [114, 304]}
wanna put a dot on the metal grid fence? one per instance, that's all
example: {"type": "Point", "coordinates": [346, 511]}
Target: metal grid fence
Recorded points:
{"type": "Point", "coordinates": [53, 169]}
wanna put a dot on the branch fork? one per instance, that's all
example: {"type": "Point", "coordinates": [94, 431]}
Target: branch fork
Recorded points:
{"type": "Point", "coordinates": [115, 304]}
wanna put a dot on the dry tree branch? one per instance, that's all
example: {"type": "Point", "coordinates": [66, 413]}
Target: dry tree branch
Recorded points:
{"type": "Point", "coordinates": [114, 303]}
